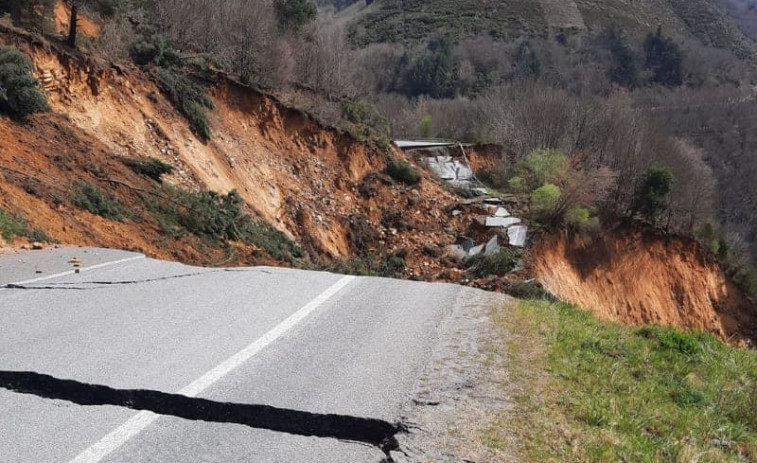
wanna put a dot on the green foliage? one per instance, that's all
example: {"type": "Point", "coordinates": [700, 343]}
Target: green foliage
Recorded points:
{"type": "Point", "coordinates": [149, 167]}
{"type": "Point", "coordinates": [12, 226]}
{"type": "Point", "coordinates": [498, 263]}
{"type": "Point", "coordinates": [539, 167]}
{"type": "Point", "coordinates": [433, 74]}
{"type": "Point", "coordinates": [623, 71]}
{"type": "Point", "coordinates": [154, 48]}
{"type": "Point", "coordinates": [629, 394]}
{"type": "Point", "coordinates": [664, 58]}
{"type": "Point", "coordinates": [90, 198]}
{"type": "Point", "coordinates": [747, 280]}
{"type": "Point", "coordinates": [580, 218]}
{"type": "Point", "coordinates": [189, 98]}
{"type": "Point", "coordinates": [367, 123]}
{"type": "Point", "coordinates": [20, 95]}
{"type": "Point", "coordinates": [218, 218]}
{"type": "Point", "coordinates": [427, 124]}
{"type": "Point", "coordinates": [526, 61]}
{"type": "Point", "coordinates": [653, 191]}
{"type": "Point", "coordinates": [402, 171]}
{"type": "Point", "coordinates": [711, 237]}
{"type": "Point", "coordinates": [545, 201]}
{"type": "Point", "coordinates": [294, 14]}
{"type": "Point", "coordinates": [390, 266]}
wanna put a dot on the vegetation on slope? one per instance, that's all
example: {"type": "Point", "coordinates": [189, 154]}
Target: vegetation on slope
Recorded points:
{"type": "Point", "coordinates": [592, 391]}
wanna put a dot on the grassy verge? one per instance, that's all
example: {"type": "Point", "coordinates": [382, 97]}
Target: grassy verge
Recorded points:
{"type": "Point", "coordinates": [591, 391]}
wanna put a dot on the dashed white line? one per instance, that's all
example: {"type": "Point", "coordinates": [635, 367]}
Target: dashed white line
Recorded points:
{"type": "Point", "coordinates": [143, 419]}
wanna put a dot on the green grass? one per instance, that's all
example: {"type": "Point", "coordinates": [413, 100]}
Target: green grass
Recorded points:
{"type": "Point", "coordinates": [403, 171]}
{"type": "Point", "coordinates": [593, 391]}
{"type": "Point", "coordinates": [12, 226]}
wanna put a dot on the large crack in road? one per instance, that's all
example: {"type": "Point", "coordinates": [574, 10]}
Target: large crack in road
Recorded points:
{"type": "Point", "coordinates": [373, 432]}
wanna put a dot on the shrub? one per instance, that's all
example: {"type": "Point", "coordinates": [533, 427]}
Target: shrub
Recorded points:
{"type": "Point", "coordinates": [545, 201]}
{"type": "Point", "coordinates": [149, 167]}
{"type": "Point", "coordinates": [271, 240]}
{"type": "Point", "coordinates": [402, 171]}
{"type": "Point", "coordinates": [11, 226]}
{"type": "Point", "coordinates": [20, 95]}
{"type": "Point", "coordinates": [581, 219]}
{"type": "Point", "coordinates": [89, 197]}
{"type": "Point", "coordinates": [498, 263]}
{"type": "Point", "coordinates": [427, 123]}
{"type": "Point", "coordinates": [155, 49]}
{"type": "Point", "coordinates": [189, 98]}
{"type": "Point", "coordinates": [623, 71]}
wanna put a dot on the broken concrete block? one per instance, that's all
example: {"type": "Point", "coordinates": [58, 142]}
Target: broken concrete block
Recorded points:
{"type": "Point", "coordinates": [456, 212]}
{"type": "Point", "coordinates": [492, 201]}
{"type": "Point", "coordinates": [474, 251]}
{"type": "Point", "coordinates": [492, 246]}
{"type": "Point", "coordinates": [501, 212]}
{"type": "Point", "coordinates": [479, 191]}
{"type": "Point", "coordinates": [517, 235]}
{"type": "Point", "coordinates": [502, 221]}
{"type": "Point", "coordinates": [466, 243]}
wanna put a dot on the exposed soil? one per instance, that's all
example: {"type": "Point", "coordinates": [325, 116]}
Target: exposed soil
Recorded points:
{"type": "Point", "coordinates": [643, 277]}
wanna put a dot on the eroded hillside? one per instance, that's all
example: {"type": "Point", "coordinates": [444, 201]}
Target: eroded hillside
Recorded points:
{"type": "Point", "coordinates": [642, 277]}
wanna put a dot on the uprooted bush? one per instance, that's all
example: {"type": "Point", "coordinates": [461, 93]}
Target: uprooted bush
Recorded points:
{"type": "Point", "coordinates": [20, 95]}
{"type": "Point", "coordinates": [149, 167]}
{"type": "Point", "coordinates": [402, 171]}
{"type": "Point", "coordinates": [89, 197]}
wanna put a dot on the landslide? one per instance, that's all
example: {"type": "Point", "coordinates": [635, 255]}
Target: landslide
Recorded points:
{"type": "Point", "coordinates": [639, 276]}
{"type": "Point", "coordinates": [314, 183]}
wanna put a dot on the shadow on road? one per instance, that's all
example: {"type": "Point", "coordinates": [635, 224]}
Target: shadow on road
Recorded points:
{"type": "Point", "coordinates": [374, 432]}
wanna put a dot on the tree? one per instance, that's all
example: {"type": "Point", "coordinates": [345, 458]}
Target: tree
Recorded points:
{"type": "Point", "coordinates": [664, 58]}
{"type": "Point", "coordinates": [294, 14]}
{"type": "Point", "coordinates": [527, 63]}
{"type": "Point", "coordinates": [434, 73]}
{"type": "Point", "coordinates": [653, 192]}
{"type": "Point", "coordinates": [623, 70]}
{"type": "Point", "coordinates": [19, 92]}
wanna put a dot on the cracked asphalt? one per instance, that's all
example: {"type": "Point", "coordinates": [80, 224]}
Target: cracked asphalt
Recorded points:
{"type": "Point", "coordinates": [81, 354]}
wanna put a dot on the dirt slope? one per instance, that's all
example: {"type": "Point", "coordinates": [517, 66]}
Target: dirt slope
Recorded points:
{"type": "Point", "coordinates": [642, 277]}
{"type": "Point", "coordinates": [304, 178]}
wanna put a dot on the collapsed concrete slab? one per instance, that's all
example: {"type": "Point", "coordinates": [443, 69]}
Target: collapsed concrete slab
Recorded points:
{"type": "Point", "coordinates": [503, 222]}
{"type": "Point", "coordinates": [517, 235]}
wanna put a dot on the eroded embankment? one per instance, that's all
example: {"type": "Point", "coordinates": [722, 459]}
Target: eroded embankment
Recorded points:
{"type": "Point", "coordinates": [310, 181]}
{"type": "Point", "coordinates": [643, 277]}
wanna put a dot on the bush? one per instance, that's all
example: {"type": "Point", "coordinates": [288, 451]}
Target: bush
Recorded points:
{"type": "Point", "coordinates": [217, 218]}
{"type": "Point", "coordinates": [545, 201]}
{"type": "Point", "coordinates": [155, 49]}
{"type": "Point", "coordinates": [664, 58]}
{"type": "Point", "coordinates": [12, 226]}
{"type": "Point", "coordinates": [189, 98]}
{"type": "Point", "coordinates": [402, 171]}
{"type": "Point", "coordinates": [580, 218]}
{"type": "Point", "coordinates": [391, 266]}
{"type": "Point", "coordinates": [89, 197]}
{"type": "Point", "coordinates": [294, 14]}
{"type": "Point", "coordinates": [498, 263]}
{"type": "Point", "coordinates": [623, 71]}
{"type": "Point", "coordinates": [20, 95]}
{"type": "Point", "coordinates": [149, 167]}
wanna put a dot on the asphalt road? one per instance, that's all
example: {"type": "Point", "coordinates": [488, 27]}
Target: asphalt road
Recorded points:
{"type": "Point", "coordinates": [136, 360]}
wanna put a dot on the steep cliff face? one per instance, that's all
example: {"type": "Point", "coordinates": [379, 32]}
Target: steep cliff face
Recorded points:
{"type": "Point", "coordinates": [642, 277]}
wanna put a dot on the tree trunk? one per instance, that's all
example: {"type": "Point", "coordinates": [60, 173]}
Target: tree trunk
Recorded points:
{"type": "Point", "coordinates": [72, 26]}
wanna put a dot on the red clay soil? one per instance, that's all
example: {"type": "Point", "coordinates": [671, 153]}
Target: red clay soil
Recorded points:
{"type": "Point", "coordinates": [641, 277]}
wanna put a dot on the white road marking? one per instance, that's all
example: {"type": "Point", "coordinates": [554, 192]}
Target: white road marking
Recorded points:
{"type": "Point", "coordinates": [83, 269]}
{"type": "Point", "coordinates": [143, 419]}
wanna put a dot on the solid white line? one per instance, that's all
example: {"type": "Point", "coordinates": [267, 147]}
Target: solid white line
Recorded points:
{"type": "Point", "coordinates": [83, 269]}
{"type": "Point", "coordinates": [143, 419]}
